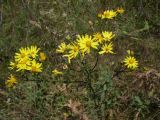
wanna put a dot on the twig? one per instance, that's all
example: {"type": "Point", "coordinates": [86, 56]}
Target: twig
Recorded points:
{"type": "Point", "coordinates": [90, 86]}
{"type": "Point", "coordinates": [97, 58]}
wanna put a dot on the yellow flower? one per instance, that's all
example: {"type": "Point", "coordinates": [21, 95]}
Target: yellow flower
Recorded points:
{"type": "Point", "coordinates": [86, 43]}
{"type": "Point", "coordinates": [42, 56]}
{"type": "Point", "coordinates": [107, 49]}
{"type": "Point", "coordinates": [120, 10]}
{"type": "Point", "coordinates": [107, 36]}
{"type": "Point", "coordinates": [130, 52]}
{"type": "Point", "coordinates": [33, 50]}
{"type": "Point", "coordinates": [11, 82]}
{"type": "Point", "coordinates": [22, 54]}
{"type": "Point", "coordinates": [73, 51]}
{"type": "Point", "coordinates": [98, 37]}
{"type": "Point", "coordinates": [109, 14]}
{"type": "Point", "coordinates": [68, 37]}
{"type": "Point", "coordinates": [99, 15]}
{"type": "Point", "coordinates": [57, 72]}
{"type": "Point", "coordinates": [130, 62]}
{"type": "Point", "coordinates": [62, 48]}
{"type": "Point", "coordinates": [12, 65]}
{"type": "Point", "coordinates": [35, 67]}
{"type": "Point", "coordinates": [23, 64]}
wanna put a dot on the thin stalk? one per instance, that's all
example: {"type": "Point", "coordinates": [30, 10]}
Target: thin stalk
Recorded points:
{"type": "Point", "coordinates": [88, 75]}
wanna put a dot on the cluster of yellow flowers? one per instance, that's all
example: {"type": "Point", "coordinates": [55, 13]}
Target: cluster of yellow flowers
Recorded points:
{"type": "Point", "coordinates": [101, 42]}
{"type": "Point", "coordinates": [84, 43]}
{"type": "Point", "coordinates": [130, 61]}
{"type": "Point", "coordinates": [110, 14]}
{"type": "Point", "coordinates": [28, 58]}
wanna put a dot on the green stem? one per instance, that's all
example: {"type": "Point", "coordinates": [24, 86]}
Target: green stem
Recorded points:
{"type": "Point", "coordinates": [92, 91]}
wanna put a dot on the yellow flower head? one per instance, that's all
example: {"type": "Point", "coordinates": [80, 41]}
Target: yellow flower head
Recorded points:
{"type": "Point", "coordinates": [98, 37]}
{"type": "Point", "coordinates": [73, 51]}
{"type": "Point", "coordinates": [86, 43]}
{"type": "Point", "coordinates": [33, 51]}
{"type": "Point", "coordinates": [107, 49]}
{"type": "Point", "coordinates": [12, 65]}
{"type": "Point", "coordinates": [23, 64]}
{"type": "Point", "coordinates": [11, 82]}
{"type": "Point", "coordinates": [120, 10]}
{"type": "Point", "coordinates": [62, 48]}
{"type": "Point", "coordinates": [109, 14]}
{"type": "Point", "coordinates": [42, 56]}
{"type": "Point", "coordinates": [107, 36]}
{"type": "Point", "coordinates": [57, 72]}
{"type": "Point", "coordinates": [130, 52]}
{"type": "Point", "coordinates": [100, 15]}
{"type": "Point", "coordinates": [130, 62]}
{"type": "Point", "coordinates": [35, 67]}
{"type": "Point", "coordinates": [68, 37]}
{"type": "Point", "coordinates": [22, 54]}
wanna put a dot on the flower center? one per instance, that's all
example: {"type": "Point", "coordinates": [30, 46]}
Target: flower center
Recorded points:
{"type": "Point", "coordinates": [88, 43]}
{"type": "Point", "coordinates": [34, 69]}
{"type": "Point", "coordinates": [131, 61]}
{"type": "Point", "coordinates": [107, 50]}
{"type": "Point", "coordinates": [75, 49]}
{"type": "Point", "coordinates": [33, 53]}
{"type": "Point", "coordinates": [22, 55]}
{"type": "Point", "coordinates": [23, 61]}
